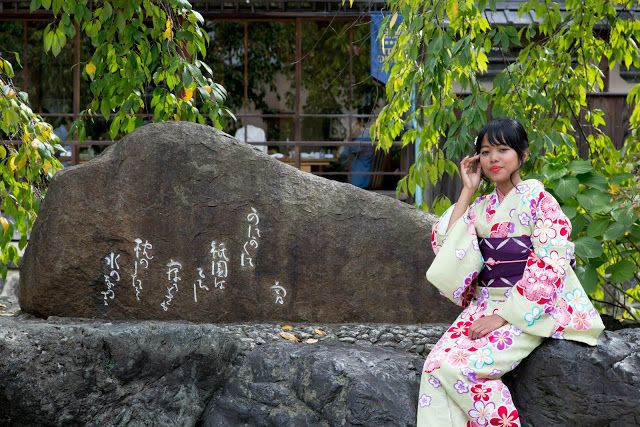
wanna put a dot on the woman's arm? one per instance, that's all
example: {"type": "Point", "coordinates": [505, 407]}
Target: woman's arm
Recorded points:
{"type": "Point", "coordinates": [470, 174]}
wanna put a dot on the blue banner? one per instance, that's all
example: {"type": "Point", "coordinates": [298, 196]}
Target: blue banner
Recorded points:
{"type": "Point", "coordinates": [380, 48]}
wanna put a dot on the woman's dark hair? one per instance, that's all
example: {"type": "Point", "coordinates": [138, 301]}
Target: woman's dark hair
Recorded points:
{"type": "Point", "coordinates": [505, 132]}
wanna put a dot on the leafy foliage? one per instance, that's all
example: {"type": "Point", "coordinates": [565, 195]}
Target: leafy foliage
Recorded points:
{"type": "Point", "coordinates": [443, 49]}
{"type": "Point", "coordinates": [145, 58]}
{"type": "Point", "coordinates": [25, 166]}
{"type": "Point", "coordinates": [143, 50]}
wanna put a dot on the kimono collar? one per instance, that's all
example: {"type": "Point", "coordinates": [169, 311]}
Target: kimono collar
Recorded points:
{"type": "Point", "coordinates": [501, 195]}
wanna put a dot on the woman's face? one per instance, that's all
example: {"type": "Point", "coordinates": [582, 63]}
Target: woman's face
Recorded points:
{"type": "Point", "coordinates": [498, 162]}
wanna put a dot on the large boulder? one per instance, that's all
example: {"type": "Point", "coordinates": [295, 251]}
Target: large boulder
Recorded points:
{"type": "Point", "coordinates": [73, 372]}
{"type": "Point", "coordinates": [181, 221]}
{"type": "Point", "coordinates": [564, 383]}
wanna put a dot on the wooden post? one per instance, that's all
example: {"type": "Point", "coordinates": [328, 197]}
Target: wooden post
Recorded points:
{"type": "Point", "coordinates": [75, 157]}
{"type": "Point", "coordinates": [298, 103]}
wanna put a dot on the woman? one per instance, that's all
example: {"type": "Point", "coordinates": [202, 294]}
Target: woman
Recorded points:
{"type": "Point", "coordinates": [506, 259]}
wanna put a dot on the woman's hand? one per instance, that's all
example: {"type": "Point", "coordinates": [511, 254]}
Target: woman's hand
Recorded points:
{"type": "Point", "coordinates": [485, 325]}
{"type": "Point", "coordinates": [470, 172]}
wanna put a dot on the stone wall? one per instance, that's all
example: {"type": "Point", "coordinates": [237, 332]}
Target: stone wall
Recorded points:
{"type": "Point", "coordinates": [87, 372]}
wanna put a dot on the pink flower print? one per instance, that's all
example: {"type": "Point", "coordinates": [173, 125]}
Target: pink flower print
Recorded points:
{"type": "Point", "coordinates": [505, 418]}
{"type": "Point", "coordinates": [524, 218]}
{"type": "Point", "coordinates": [458, 357]}
{"type": "Point", "coordinates": [502, 229]}
{"type": "Point", "coordinates": [466, 343]}
{"type": "Point", "coordinates": [431, 365]}
{"type": "Point", "coordinates": [461, 387]}
{"type": "Point", "coordinates": [538, 284]}
{"type": "Point", "coordinates": [549, 207]}
{"type": "Point", "coordinates": [544, 230]}
{"type": "Point", "coordinates": [490, 209]}
{"type": "Point", "coordinates": [562, 314]}
{"type": "Point", "coordinates": [501, 339]}
{"type": "Point", "coordinates": [481, 357]}
{"type": "Point", "coordinates": [480, 392]}
{"type": "Point", "coordinates": [460, 253]}
{"type": "Point", "coordinates": [434, 238]}
{"type": "Point", "coordinates": [432, 361]}
{"type": "Point", "coordinates": [474, 311]}
{"type": "Point", "coordinates": [472, 215]}
{"type": "Point", "coordinates": [556, 262]}
{"type": "Point", "coordinates": [459, 329]}
{"type": "Point", "coordinates": [580, 320]}
{"type": "Point", "coordinates": [482, 412]}
{"type": "Point", "coordinates": [435, 383]}
{"type": "Point", "coordinates": [425, 400]}
{"type": "Point", "coordinates": [471, 228]}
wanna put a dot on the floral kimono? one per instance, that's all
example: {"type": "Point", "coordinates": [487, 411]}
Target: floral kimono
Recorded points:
{"type": "Point", "coordinates": [512, 258]}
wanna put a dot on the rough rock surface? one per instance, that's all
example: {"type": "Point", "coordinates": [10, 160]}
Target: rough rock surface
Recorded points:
{"type": "Point", "coordinates": [313, 250]}
{"type": "Point", "coordinates": [571, 384]}
{"type": "Point", "coordinates": [8, 293]}
{"type": "Point", "coordinates": [96, 373]}
{"type": "Point", "coordinates": [319, 385]}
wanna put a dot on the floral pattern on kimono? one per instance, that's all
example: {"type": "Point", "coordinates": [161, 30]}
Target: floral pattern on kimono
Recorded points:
{"type": "Point", "coordinates": [548, 300]}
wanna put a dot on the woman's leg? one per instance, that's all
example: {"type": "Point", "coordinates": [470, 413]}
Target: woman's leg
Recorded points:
{"type": "Point", "coordinates": [461, 377]}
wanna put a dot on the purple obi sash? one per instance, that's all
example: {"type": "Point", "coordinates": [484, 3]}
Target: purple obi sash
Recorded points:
{"type": "Point", "coordinates": [504, 260]}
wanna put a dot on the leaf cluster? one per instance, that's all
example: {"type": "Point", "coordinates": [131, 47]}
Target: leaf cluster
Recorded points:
{"type": "Point", "coordinates": [25, 165]}
{"type": "Point", "coordinates": [145, 61]}
{"type": "Point", "coordinates": [442, 51]}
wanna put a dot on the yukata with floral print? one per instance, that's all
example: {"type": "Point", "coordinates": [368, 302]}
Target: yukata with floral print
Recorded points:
{"type": "Point", "coordinates": [510, 258]}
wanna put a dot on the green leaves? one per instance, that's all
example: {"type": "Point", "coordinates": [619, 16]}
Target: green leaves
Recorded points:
{"type": "Point", "coordinates": [131, 56]}
{"type": "Point", "coordinates": [594, 200]}
{"type": "Point", "coordinates": [54, 39]}
{"type": "Point", "coordinates": [621, 271]}
{"type": "Point", "coordinates": [25, 166]}
{"type": "Point", "coordinates": [588, 247]}
{"type": "Point", "coordinates": [567, 188]}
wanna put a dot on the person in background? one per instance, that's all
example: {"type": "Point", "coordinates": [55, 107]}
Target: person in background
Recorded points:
{"type": "Point", "coordinates": [62, 132]}
{"type": "Point", "coordinates": [250, 133]}
{"type": "Point", "coordinates": [359, 158]}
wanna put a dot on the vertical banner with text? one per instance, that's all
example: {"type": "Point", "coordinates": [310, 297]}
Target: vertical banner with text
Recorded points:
{"type": "Point", "coordinates": [380, 47]}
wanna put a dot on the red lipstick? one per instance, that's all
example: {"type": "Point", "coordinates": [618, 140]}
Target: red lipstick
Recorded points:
{"type": "Point", "coordinates": [495, 169]}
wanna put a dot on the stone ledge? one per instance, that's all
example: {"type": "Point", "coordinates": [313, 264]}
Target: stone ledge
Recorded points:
{"type": "Point", "coordinates": [87, 372]}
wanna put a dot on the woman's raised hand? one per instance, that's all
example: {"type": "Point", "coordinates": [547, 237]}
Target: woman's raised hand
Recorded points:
{"type": "Point", "coordinates": [470, 172]}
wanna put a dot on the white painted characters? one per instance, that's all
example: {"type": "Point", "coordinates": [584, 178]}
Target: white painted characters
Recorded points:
{"type": "Point", "coordinates": [198, 284]}
{"type": "Point", "coordinates": [142, 258]}
{"type": "Point", "coordinates": [112, 278]}
{"type": "Point", "coordinates": [250, 246]}
{"type": "Point", "coordinates": [219, 264]}
{"type": "Point", "coordinates": [280, 292]}
{"type": "Point", "coordinates": [173, 274]}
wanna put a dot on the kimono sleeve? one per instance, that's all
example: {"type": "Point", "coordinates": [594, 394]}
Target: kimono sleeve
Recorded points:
{"type": "Point", "coordinates": [531, 304]}
{"type": "Point", "coordinates": [458, 261]}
